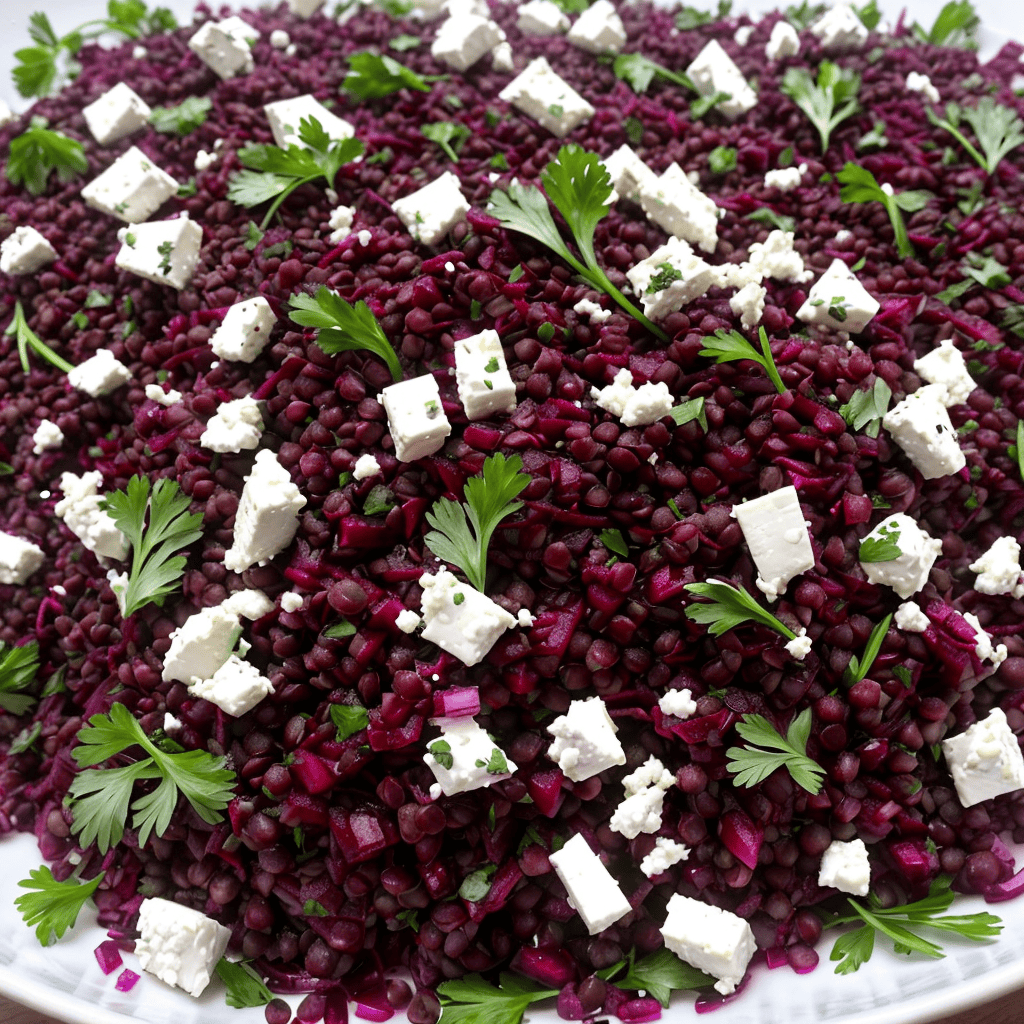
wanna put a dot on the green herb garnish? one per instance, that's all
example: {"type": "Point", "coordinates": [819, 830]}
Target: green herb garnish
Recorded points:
{"type": "Point", "coordinates": [722, 159]}
{"type": "Point", "coordinates": [769, 750]}
{"type": "Point", "coordinates": [767, 216]}
{"type": "Point", "coordinates": [476, 885]}
{"type": "Point", "coordinates": [371, 76]}
{"type": "Point", "coordinates": [883, 546]}
{"type": "Point", "coordinates": [472, 1000]}
{"type": "Point", "coordinates": [348, 719]}
{"type": "Point", "coordinates": [659, 975]}
{"type": "Point", "coordinates": [860, 186]}
{"type": "Point", "coordinates": [404, 42]}
{"type": "Point", "coordinates": [638, 71]}
{"type": "Point", "coordinates": [54, 907]}
{"type": "Point", "coordinates": [858, 668]}
{"type": "Point", "coordinates": [441, 751]}
{"type": "Point", "coordinates": [728, 607]}
{"type": "Point", "coordinates": [998, 130]}
{"type": "Point", "coordinates": [245, 988]}
{"type": "Point", "coordinates": [444, 133]}
{"type": "Point", "coordinates": [956, 25]}
{"type": "Point", "coordinates": [690, 17]}
{"type": "Point", "coordinates": [801, 16]}
{"type": "Point", "coordinates": [18, 669]}
{"type": "Point", "coordinates": [865, 409]}
{"type": "Point", "coordinates": [691, 409]}
{"type": "Point", "coordinates": [730, 346]}
{"type": "Point", "coordinates": [827, 102]}
{"type": "Point", "coordinates": [340, 630]}
{"type": "Point", "coordinates": [183, 119]}
{"type": "Point", "coordinates": [37, 152]}
{"type": "Point", "coordinates": [26, 338]}
{"type": "Point", "coordinates": [615, 542]}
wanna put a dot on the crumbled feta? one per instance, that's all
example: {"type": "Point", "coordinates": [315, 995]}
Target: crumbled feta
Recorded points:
{"type": "Point", "coordinates": [119, 585]}
{"type": "Point", "coordinates": [237, 425]}
{"type": "Point", "coordinates": [670, 278]}
{"type": "Point", "coordinates": [921, 426]}
{"type": "Point", "coordinates": [459, 619]}
{"type": "Point", "coordinates": [416, 419]}
{"type": "Point", "coordinates": [843, 236]}
{"type": "Point", "coordinates": [776, 534]}
{"type": "Point", "coordinates": [645, 794]}
{"type": "Point", "coordinates": [501, 58]}
{"type": "Point", "coordinates": [985, 760]}
{"type": "Point", "coordinates": [652, 773]}
{"type": "Point", "coordinates": [6, 114]}
{"type": "Point", "coordinates": [634, 406]}
{"type": "Point", "coordinates": [838, 300]}
{"type": "Point", "coordinates": [81, 512]}
{"type": "Point", "coordinates": [666, 852]}
{"type": "Point", "coordinates": [461, 41]}
{"type": "Point", "coordinates": [484, 383]}
{"type": "Point", "coordinates": [598, 29]}
{"type": "Point", "coordinates": [800, 646]}
{"type": "Point", "coordinates": [983, 646]}
{"type": "Point", "coordinates": [748, 304]}
{"type": "Point", "coordinates": [713, 71]}
{"type": "Point", "coordinates": [783, 42]}
{"type": "Point", "coordinates": [245, 330]}
{"type": "Point", "coordinates": [775, 257]}
{"type": "Point", "coordinates": [291, 602]}
{"type": "Point", "coordinates": [180, 946]}
{"type": "Point", "coordinates": [785, 179]}
{"type": "Point", "coordinates": [465, 757]}
{"type": "Point", "coordinates": [908, 573]}
{"type": "Point", "coordinates": [163, 251]}
{"type": "Point", "coordinates": [432, 211]}
{"type": "Point", "coordinates": [25, 251]}
{"type": "Point", "coordinates": [910, 618]}
{"type": "Point", "coordinates": [675, 204]}
{"type": "Point", "coordinates": [99, 374]}
{"type": "Point", "coordinates": [279, 39]}
{"type": "Point", "coordinates": [711, 939]}
{"type": "Point", "coordinates": [541, 18]}
{"type": "Point", "coordinates": [305, 8]}
{"type": "Point", "coordinates": [116, 114]}
{"type": "Point", "coordinates": [840, 28]}
{"type": "Point", "coordinates": [18, 558]}
{"type": "Point", "coordinates": [945, 365]}
{"type": "Point", "coordinates": [678, 702]}
{"type": "Point", "coordinates": [591, 888]}
{"type": "Point", "coordinates": [285, 118]}
{"type": "Point", "coordinates": [917, 82]}
{"type": "Point", "coordinates": [156, 393]}
{"type": "Point", "coordinates": [525, 618]}
{"type": "Point", "coordinates": [845, 866]}
{"type": "Point", "coordinates": [365, 467]}
{"type": "Point", "coordinates": [47, 435]}
{"type": "Point", "coordinates": [221, 50]}
{"type": "Point", "coordinates": [204, 161]}
{"type": "Point", "coordinates": [201, 645]}
{"type": "Point", "coordinates": [541, 94]}
{"type": "Point", "coordinates": [589, 308]}
{"type": "Point", "coordinates": [365, 237]}
{"type": "Point", "coordinates": [629, 173]}
{"type": "Point", "coordinates": [742, 35]}
{"type": "Point", "coordinates": [236, 687]}
{"type": "Point", "coordinates": [585, 741]}
{"type": "Point", "coordinates": [172, 726]}
{"type": "Point", "coordinates": [999, 569]}
{"type": "Point", "coordinates": [248, 604]}
{"type": "Point", "coordinates": [408, 621]}
{"type": "Point", "coordinates": [341, 220]}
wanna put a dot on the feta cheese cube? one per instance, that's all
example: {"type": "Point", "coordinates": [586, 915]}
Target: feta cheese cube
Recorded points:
{"type": "Point", "coordinates": [713, 71]}
{"type": "Point", "coordinates": [629, 173]}
{"type": "Point", "coordinates": [156, 393]}
{"type": "Point", "coordinates": [985, 760]}
{"type": "Point", "coordinates": [47, 436]}
{"type": "Point", "coordinates": [305, 8]}
{"type": "Point", "coordinates": [163, 251]}
{"type": "Point", "coordinates": [81, 512]}
{"type": "Point", "coordinates": [585, 741]}
{"type": "Point", "coordinates": [459, 619]}
{"type": "Point", "coordinates": [838, 300]}
{"type": "Point", "coordinates": [921, 426]}
{"type": "Point", "coordinates": [465, 757]}
{"type": "Point", "coordinates": [775, 257]}
{"type": "Point", "coordinates": [365, 467]}
{"type": "Point", "coordinates": [25, 251]}
{"type": "Point", "coordinates": [221, 50]}
{"type": "Point", "coordinates": [541, 18]}
{"type": "Point", "coordinates": [840, 28]}
{"type": "Point", "coordinates": [239, 30]}
{"type": "Point", "coordinates": [999, 569]}
{"type": "Point", "coordinates": [908, 573]}
{"type": "Point", "coordinates": [945, 365]}
{"type": "Point", "coordinates": [236, 425]}
{"type": "Point", "coordinates": [132, 188]}
{"type": "Point", "coordinates": [236, 687]}
{"type": "Point", "coordinates": [99, 374]}
{"type": "Point", "coordinates": [245, 331]}
{"type": "Point", "coordinates": [845, 866]}
{"type": "Point", "coordinates": [18, 558]}
{"type": "Point", "coordinates": [598, 29]}
{"type": "Point", "coordinates": [983, 646]}
{"type": "Point", "coordinates": [267, 516]}
{"type": "Point", "coordinates": [678, 702]}
{"type": "Point", "coordinates": [202, 645]}
{"type": "Point", "coordinates": [923, 84]}
{"type": "Point", "coordinates": [484, 383]}
{"type": "Point", "coordinates": [670, 278]}
{"type": "Point", "coordinates": [116, 114]}
{"type": "Point", "coordinates": [711, 939]}
{"type": "Point", "coordinates": [775, 531]}
{"type": "Point", "coordinates": [408, 621]}
{"type": "Point", "coordinates": [432, 211]}
{"type": "Point", "coordinates": [178, 945]}
{"type": "Point", "coordinates": [910, 618]}
{"type": "Point", "coordinates": [666, 852]}
{"type": "Point", "coordinates": [416, 419]}
{"type": "Point", "coordinates": [748, 304]}
{"type": "Point", "coordinates": [541, 94]}
{"type": "Point", "coordinates": [461, 41]}
{"type": "Point", "coordinates": [785, 179]}
{"type": "Point", "coordinates": [286, 117]}
{"type": "Point", "coordinates": [675, 204]}
{"type": "Point", "coordinates": [634, 406]}
{"type": "Point", "coordinates": [501, 58]}
{"type": "Point", "coordinates": [291, 602]}
{"type": "Point", "coordinates": [591, 888]}
{"type": "Point", "coordinates": [783, 42]}
{"type": "Point", "coordinates": [341, 220]}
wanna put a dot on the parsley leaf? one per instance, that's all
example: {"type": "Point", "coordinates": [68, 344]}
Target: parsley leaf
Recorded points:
{"type": "Point", "coordinates": [766, 215]}
{"type": "Point", "coordinates": [371, 76]}
{"type": "Point", "coordinates": [472, 1000]}
{"type": "Point", "coordinates": [728, 608]}
{"type": "Point", "coordinates": [639, 71]}
{"type": "Point", "coordinates": [691, 409]}
{"type": "Point", "coordinates": [441, 751]}
{"type": "Point", "coordinates": [404, 42]}
{"type": "Point", "coordinates": [54, 907]}
{"type": "Point", "coordinates": [340, 630]}
{"type": "Point", "coordinates": [379, 501]}
{"type": "Point", "coordinates": [659, 975]}
{"type": "Point", "coordinates": [26, 338]}
{"type": "Point", "coordinates": [869, 15]}
{"type": "Point", "coordinates": [828, 102]}
{"type": "Point", "coordinates": [859, 185]}
{"type": "Point", "coordinates": [690, 17]}
{"type": "Point", "coordinates": [615, 542]}
{"type": "Point", "coordinates": [989, 273]}
{"type": "Point", "coordinates": [245, 987]}
{"type": "Point", "coordinates": [956, 25]}
{"type": "Point", "coordinates": [186, 117]}
{"type": "Point", "coordinates": [444, 133]}
{"type": "Point", "coordinates": [858, 668]}
{"type": "Point", "coordinates": [865, 409]}
{"type": "Point", "coordinates": [37, 152]}
{"type": "Point", "coordinates": [753, 764]}
{"type": "Point", "coordinates": [342, 327]}
{"type": "Point", "coordinates": [802, 16]}
{"type": "Point", "coordinates": [1020, 447]}
{"type": "Point", "coordinates": [998, 129]}
{"type": "Point", "coordinates": [476, 885]}
{"type": "Point", "coordinates": [18, 668]}
{"type": "Point", "coordinates": [875, 137]}
{"type": "Point", "coordinates": [348, 719]}
{"type": "Point", "coordinates": [722, 159]}
{"type": "Point", "coordinates": [730, 346]}
{"type": "Point", "coordinates": [881, 545]}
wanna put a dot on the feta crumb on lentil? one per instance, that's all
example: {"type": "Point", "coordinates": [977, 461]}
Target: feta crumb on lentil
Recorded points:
{"type": "Point", "coordinates": [634, 406]}
{"type": "Point", "coordinates": [408, 621]}
{"type": "Point", "coordinates": [983, 646]}
{"type": "Point", "coordinates": [245, 330]}
{"type": "Point", "coordinates": [99, 374]}
{"type": "Point", "coordinates": [178, 945]}
{"type": "Point", "coordinates": [670, 278]}
{"type": "Point", "coordinates": [291, 602]}
{"type": "Point", "coordinates": [116, 114]}
{"type": "Point", "coordinates": [47, 436]}
{"type": "Point", "coordinates": [164, 252]}
{"type": "Point", "coordinates": [237, 425]}
{"type": "Point", "coordinates": [917, 82]}
{"type": "Point", "coordinates": [365, 467]}
{"type": "Point", "coordinates": [678, 702]}
{"type": "Point", "coordinates": [910, 618]}
{"type": "Point", "coordinates": [840, 28]}
{"type": "Point", "coordinates": [666, 852]}
{"type": "Point", "coordinates": [541, 18]}
{"type": "Point", "coordinates": [19, 558]}
{"type": "Point", "coordinates": [156, 393]}
{"type": "Point", "coordinates": [838, 300]}
{"type": "Point", "coordinates": [945, 365]}
{"type": "Point", "coordinates": [675, 204]}
{"type": "Point", "coordinates": [776, 533]}
{"type": "Point", "coordinates": [999, 570]}
{"type": "Point", "coordinates": [845, 866]}
{"type": "Point", "coordinates": [236, 687]}
{"type": "Point", "coordinates": [81, 512]}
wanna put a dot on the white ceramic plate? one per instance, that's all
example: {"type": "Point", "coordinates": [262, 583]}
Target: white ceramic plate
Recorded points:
{"type": "Point", "coordinates": [64, 980]}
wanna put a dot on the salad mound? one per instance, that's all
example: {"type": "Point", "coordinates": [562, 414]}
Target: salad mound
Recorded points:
{"type": "Point", "coordinates": [498, 518]}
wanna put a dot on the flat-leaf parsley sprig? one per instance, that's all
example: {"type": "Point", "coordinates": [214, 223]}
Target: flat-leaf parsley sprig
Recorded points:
{"type": "Point", "coordinates": [730, 346]}
{"type": "Point", "coordinates": [768, 750]}
{"type": "Point", "coordinates": [639, 71]}
{"type": "Point", "coordinates": [579, 186]}
{"type": "Point", "coordinates": [861, 186]}
{"type": "Point", "coordinates": [827, 102]}
{"type": "Point", "coordinates": [53, 907]}
{"type": "Point", "coordinates": [659, 974]}
{"type": "Point", "coordinates": [18, 669]}
{"type": "Point", "coordinates": [374, 75]}
{"type": "Point", "coordinates": [998, 130]}
{"type": "Point", "coordinates": [462, 531]}
{"type": "Point", "coordinates": [728, 607]}
{"type": "Point", "coordinates": [342, 327]}
{"type": "Point", "coordinates": [473, 1000]}
{"type": "Point", "coordinates": [26, 339]}
{"type": "Point", "coordinates": [39, 151]}
{"type": "Point", "coordinates": [955, 25]}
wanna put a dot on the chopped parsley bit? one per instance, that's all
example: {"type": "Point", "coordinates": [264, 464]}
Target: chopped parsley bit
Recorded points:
{"type": "Point", "coordinates": [869, 15]}
{"type": "Point", "coordinates": [379, 501]}
{"type": "Point", "coordinates": [634, 129]}
{"type": "Point", "coordinates": [498, 162]}
{"type": "Point", "coordinates": [488, 384]}
{"type": "Point", "coordinates": [785, 157]}
{"type": "Point", "coordinates": [829, 101]}
{"type": "Point", "coordinates": [875, 137]}
{"type": "Point", "coordinates": [473, 1000]}
{"type": "Point", "coordinates": [432, 407]}
{"type": "Point", "coordinates": [546, 332]}
{"type": "Point", "coordinates": [80, 320]}
{"type": "Point", "coordinates": [663, 278]}
{"type": "Point", "coordinates": [496, 765]}
{"type": "Point", "coordinates": [837, 308]}
{"type": "Point", "coordinates": [858, 668]}
{"type": "Point", "coordinates": [130, 239]}
{"type": "Point", "coordinates": [989, 273]}
{"type": "Point", "coordinates": [686, 412]}
{"type": "Point", "coordinates": [18, 669]}
{"type": "Point", "coordinates": [728, 607]}
{"type": "Point", "coordinates": [96, 299]}
{"type": "Point", "coordinates": [1019, 453]}
{"type": "Point", "coordinates": [183, 119]}
{"type": "Point", "coordinates": [165, 249]}
{"type": "Point", "coordinates": [339, 631]}
{"type": "Point", "coordinates": [404, 42]}
{"type": "Point", "coordinates": [766, 215]}
{"type": "Point", "coordinates": [311, 908]}
{"type": "Point", "coordinates": [639, 71]}
{"type": "Point", "coordinates": [476, 309]}
{"type": "Point", "coordinates": [865, 409]}
{"type": "Point", "coordinates": [444, 133]}
{"type": "Point", "coordinates": [729, 346]}
{"type": "Point", "coordinates": [956, 25]}
{"type": "Point", "coordinates": [492, 365]}
{"type": "Point", "coordinates": [769, 750]}
{"type": "Point", "coordinates": [441, 751]}
{"type": "Point", "coordinates": [722, 159]}
{"type": "Point", "coordinates": [883, 547]}
{"type": "Point", "coordinates": [614, 541]}
{"type": "Point", "coordinates": [476, 885]}
{"type": "Point", "coordinates": [972, 199]}
{"type": "Point", "coordinates": [458, 598]}
{"type": "Point", "coordinates": [690, 17]}
{"type": "Point", "coordinates": [675, 508]}
{"type": "Point", "coordinates": [245, 988]}
{"type": "Point", "coordinates": [555, 110]}
{"type": "Point", "coordinates": [802, 16]}
{"type": "Point", "coordinates": [371, 76]}
{"type": "Point", "coordinates": [998, 130]}
{"type": "Point", "coordinates": [253, 236]}
{"type": "Point", "coordinates": [517, 272]}
{"type": "Point", "coordinates": [860, 186]}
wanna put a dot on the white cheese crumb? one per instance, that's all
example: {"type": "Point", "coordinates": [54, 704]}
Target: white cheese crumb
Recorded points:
{"type": "Point", "coordinates": [365, 467]}
{"type": "Point", "coordinates": [666, 852]}
{"type": "Point", "coordinates": [156, 393]}
{"type": "Point", "coordinates": [47, 435]}
{"type": "Point", "coordinates": [999, 569]}
{"type": "Point", "coordinates": [291, 602]}
{"type": "Point", "coordinates": [678, 702]}
{"type": "Point", "coordinates": [408, 621]}
{"type": "Point", "coordinates": [800, 646]}
{"type": "Point", "coordinates": [910, 618]}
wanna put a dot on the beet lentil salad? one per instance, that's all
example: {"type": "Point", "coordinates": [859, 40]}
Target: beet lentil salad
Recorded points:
{"type": "Point", "coordinates": [413, 789]}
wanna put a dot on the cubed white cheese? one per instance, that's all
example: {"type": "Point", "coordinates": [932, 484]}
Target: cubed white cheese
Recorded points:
{"type": "Point", "coordinates": [286, 116]}
{"type": "Point", "coordinates": [408, 621]}
{"type": "Point", "coordinates": [132, 188]}
{"type": "Point", "coordinates": [785, 179]}
{"type": "Point", "coordinates": [591, 888]}
{"type": "Point", "coordinates": [678, 702]}
{"type": "Point", "coordinates": [245, 330]}
{"type": "Point", "coordinates": [838, 300]}
{"type": "Point", "coordinates": [484, 383]}
{"type": "Point", "coordinates": [461, 41]}
{"type": "Point", "coordinates": [541, 94]}
{"type": "Point", "coordinates": [156, 393]}
{"type": "Point", "coordinates": [711, 939]}
{"type": "Point", "coordinates": [775, 257]}
{"type": "Point", "coordinates": [179, 946]}
{"type": "Point", "coordinates": [908, 573]}
{"type": "Point", "coordinates": [670, 278]}
{"type": "Point", "coordinates": [748, 304]}
{"type": "Point", "coordinates": [713, 71]}
{"type": "Point", "coordinates": [465, 8]}
{"type": "Point", "coordinates": [921, 426]}
{"type": "Point", "coordinates": [18, 558]}
{"type": "Point", "coordinates": [598, 29]}
{"type": "Point", "coordinates": [541, 18]}
{"type": "Point", "coordinates": [585, 741]}
{"type": "Point", "coordinates": [279, 39]}
{"type": "Point", "coordinates": [983, 646]}
{"type": "Point", "coordinates": [985, 760]}
{"type": "Point", "coordinates": [501, 58]}
{"type": "Point", "coordinates": [222, 51]}
{"type": "Point", "coordinates": [365, 467]}
{"type": "Point", "coordinates": [432, 211]}
{"type": "Point", "coordinates": [840, 28]}
{"type": "Point", "coordinates": [923, 84]}
{"type": "Point", "coordinates": [999, 569]}
{"type": "Point", "coordinates": [587, 307]}
{"type": "Point", "coordinates": [81, 512]}
{"type": "Point", "coordinates": [783, 42]}
{"type": "Point", "coordinates": [776, 534]}
{"type": "Point", "coordinates": [676, 205]}
{"type": "Point", "coordinates": [465, 757]}
{"type": "Point", "coordinates": [341, 220]}
{"type": "Point", "coordinates": [25, 251]}
{"type": "Point", "coordinates": [236, 687]}
{"type": "Point", "coordinates": [48, 435]}
{"type": "Point", "coordinates": [235, 426]}
{"type": "Point", "coordinates": [845, 866]}
{"type": "Point", "coordinates": [116, 114]}
{"type": "Point", "coordinates": [163, 251]}
{"type": "Point", "coordinates": [910, 618]}
{"type": "Point", "coordinates": [945, 365]}
{"type": "Point", "coordinates": [239, 29]}
{"type": "Point", "coordinates": [634, 406]}
{"type": "Point", "coordinates": [459, 619]}
{"type": "Point", "coordinates": [99, 374]}
{"type": "Point", "coordinates": [666, 852]}
{"type": "Point", "coordinates": [291, 602]}
{"type": "Point", "coordinates": [267, 516]}
{"type": "Point", "coordinates": [629, 173]}
{"type": "Point", "coordinates": [305, 8]}
{"type": "Point", "coordinates": [416, 418]}
{"type": "Point", "coordinates": [202, 645]}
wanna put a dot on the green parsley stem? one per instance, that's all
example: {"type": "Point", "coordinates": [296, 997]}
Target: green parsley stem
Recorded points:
{"type": "Point", "coordinates": [769, 362]}
{"type": "Point", "coordinates": [276, 204]}
{"type": "Point", "coordinates": [958, 135]}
